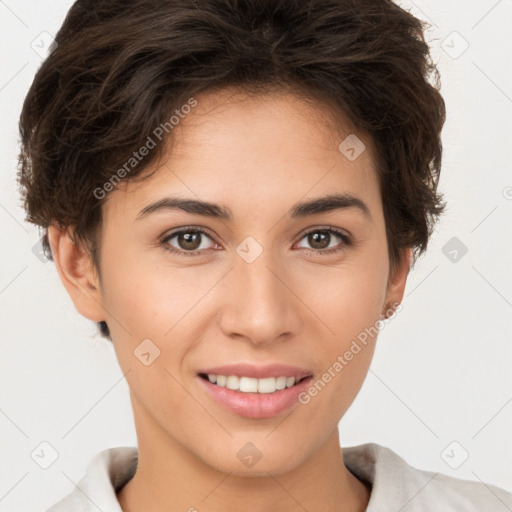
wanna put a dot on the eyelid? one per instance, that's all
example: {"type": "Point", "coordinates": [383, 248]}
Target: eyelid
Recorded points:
{"type": "Point", "coordinates": [175, 231]}
{"type": "Point", "coordinates": [338, 231]}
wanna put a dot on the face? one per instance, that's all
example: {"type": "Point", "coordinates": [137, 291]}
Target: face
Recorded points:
{"type": "Point", "coordinates": [186, 292]}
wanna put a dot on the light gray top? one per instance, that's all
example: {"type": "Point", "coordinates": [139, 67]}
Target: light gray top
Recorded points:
{"type": "Point", "coordinates": [396, 486]}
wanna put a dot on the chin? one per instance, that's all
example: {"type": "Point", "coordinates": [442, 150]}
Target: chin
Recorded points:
{"type": "Point", "coordinates": [234, 464]}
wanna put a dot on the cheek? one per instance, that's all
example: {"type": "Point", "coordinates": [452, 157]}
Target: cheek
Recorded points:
{"type": "Point", "coordinates": [151, 311]}
{"type": "Point", "coordinates": [150, 299]}
{"type": "Point", "coordinates": [349, 303]}
{"type": "Point", "coordinates": [349, 298]}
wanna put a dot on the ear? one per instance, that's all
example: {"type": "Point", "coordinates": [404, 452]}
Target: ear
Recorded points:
{"type": "Point", "coordinates": [397, 281]}
{"type": "Point", "coordinates": [77, 273]}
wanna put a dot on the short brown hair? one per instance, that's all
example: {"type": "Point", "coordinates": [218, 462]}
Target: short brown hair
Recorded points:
{"type": "Point", "coordinates": [121, 67]}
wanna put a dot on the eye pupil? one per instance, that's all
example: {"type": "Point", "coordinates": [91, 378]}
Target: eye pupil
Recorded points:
{"type": "Point", "coordinates": [190, 240]}
{"type": "Point", "coordinates": [317, 238]}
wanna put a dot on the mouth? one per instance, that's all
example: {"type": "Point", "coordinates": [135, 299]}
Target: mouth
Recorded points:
{"type": "Point", "coordinates": [253, 385]}
{"type": "Point", "coordinates": [252, 390]}
{"type": "Point", "coordinates": [255, 398]}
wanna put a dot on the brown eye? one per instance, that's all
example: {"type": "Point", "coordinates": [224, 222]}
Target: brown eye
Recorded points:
{"type": "Point", "coordinates": [325, 241]}
{"type": "Point", "coordinates": [319, 239]}
{"type": "Point", "coordinates": [186, 241]}
{"type": "Point", "coordinates": [190, 241]}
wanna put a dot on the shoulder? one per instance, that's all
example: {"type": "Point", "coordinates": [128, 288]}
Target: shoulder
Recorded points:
{"type": "Point", "coordinates": [73, 502]}
{"type": "Point", "coordinates": [396, 485]}
{"type": "Point", "coordinates": [106, 472]}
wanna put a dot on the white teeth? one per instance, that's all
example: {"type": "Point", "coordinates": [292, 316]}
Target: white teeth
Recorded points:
{"type": "Point", "coordinates": [250, 385]}
{"type": "Point", "coordinates": [233, 382]}
{"type": "Point", "coordinates": [267, 385]}
{"type": "Point", "coordinates": [281, 382]}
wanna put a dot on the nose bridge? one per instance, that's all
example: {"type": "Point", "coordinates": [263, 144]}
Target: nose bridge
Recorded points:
{"type": "Point", "coordinates": [260, 306]}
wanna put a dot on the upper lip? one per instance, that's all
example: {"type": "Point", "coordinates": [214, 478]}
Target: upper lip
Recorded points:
{"type": "Point", "coordinates": [257, 371]}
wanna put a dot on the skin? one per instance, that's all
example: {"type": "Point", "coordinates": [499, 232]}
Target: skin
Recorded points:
{"type": "Point", "coordinates": [258, 156]}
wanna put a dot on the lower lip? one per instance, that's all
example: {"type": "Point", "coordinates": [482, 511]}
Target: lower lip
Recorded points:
{"type": "Point", "coordinates": [255, 405]}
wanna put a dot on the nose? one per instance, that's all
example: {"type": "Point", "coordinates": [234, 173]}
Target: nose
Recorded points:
{"type": "Point", "coordinates": [260, 305]}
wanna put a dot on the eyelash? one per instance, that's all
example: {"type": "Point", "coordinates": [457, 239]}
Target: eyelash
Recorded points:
{"type": "Point", "coordinates": [347, 241]}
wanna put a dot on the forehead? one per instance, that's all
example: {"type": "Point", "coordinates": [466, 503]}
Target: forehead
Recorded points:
{"type": "Point", "coordinates": [257, 150]}
{"type": "Point", "coordinates": [260, 116]}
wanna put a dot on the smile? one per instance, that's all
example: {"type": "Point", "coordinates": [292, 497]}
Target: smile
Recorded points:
{"type": "Point", "coordinates": [251, 385]}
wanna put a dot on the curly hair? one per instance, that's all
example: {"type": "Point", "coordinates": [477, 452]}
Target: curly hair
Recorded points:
{"type": "Point", "coordinates": [120, 67]}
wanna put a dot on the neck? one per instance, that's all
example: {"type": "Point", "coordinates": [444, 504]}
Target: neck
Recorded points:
{"type": "Point", "coordinates": [170, 478]}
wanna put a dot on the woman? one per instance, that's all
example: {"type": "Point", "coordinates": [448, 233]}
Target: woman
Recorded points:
{"type": "Point", "coordinates": [235, 192]}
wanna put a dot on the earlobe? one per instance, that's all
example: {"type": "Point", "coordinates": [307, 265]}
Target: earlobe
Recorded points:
{"type": "Point", "coordinates": [397, 282]}
{"type": "Point", "coordinates": [77, 273]}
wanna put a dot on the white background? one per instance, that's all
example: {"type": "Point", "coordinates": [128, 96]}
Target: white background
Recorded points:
{"type": "Point", "coordinates": [441, 371]}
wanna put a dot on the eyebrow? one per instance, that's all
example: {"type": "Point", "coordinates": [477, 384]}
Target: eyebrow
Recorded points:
{"type": "Point", "coordinates": [313, 207]}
